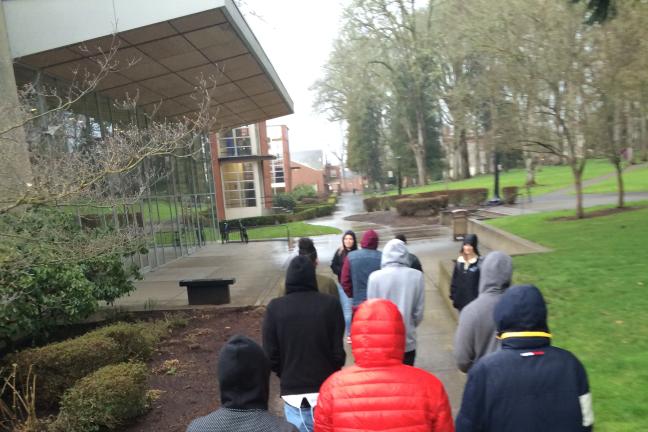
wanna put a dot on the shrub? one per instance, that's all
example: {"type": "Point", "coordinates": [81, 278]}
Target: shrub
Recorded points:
{"type": "Point", "coordinates": [510, 194]}
{"type": "Point", "coordinates": [104, 400]}
{"type": "Point", "coordinates": [59, 365]}
{"type": "Point", "coordinates": [136, 341]}
{"type": "Point", "coordinates": [255, 221]}
{"type": "Point", "coordinates": [313, 212]}
{"type": "Point", "coordinates": [284, 200]}
{"type": "Point", "coordinates": [410, 206]}
{"type": "Point", "coordinates": [302, 191]}
{"type": "Point", "coordinates": [467, 197]}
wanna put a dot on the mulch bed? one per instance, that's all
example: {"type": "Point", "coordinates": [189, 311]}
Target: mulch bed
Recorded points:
{"type": "Point", "coordinates": [184, 368]}
{"type": "Point", "coordinates": [391, 218]}
{"type": "Point", "coordinates": [597, 213]}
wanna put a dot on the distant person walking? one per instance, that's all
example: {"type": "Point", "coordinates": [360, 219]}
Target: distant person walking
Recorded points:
{"type": "Point", "coordinates": [405, 287]}
{"type": "Point", "coordinates": [528, 385]}
{"type": "Point", "coordinates": [475, 336]}
{"type": "Point", "coordinates": [349, 244]}
{"type": "Point", "coordinates": [464, 286]}
{"type": "Point", "coordinates": [302, 336]}
{"type": "Point", "coordinates": [414, 262]}
{"type": "Point", "coordinates": [379, 392]}
{"type": "Point", "coordinates": [358, 265]}
{"type": "Point", "coordinates": [244, 384]}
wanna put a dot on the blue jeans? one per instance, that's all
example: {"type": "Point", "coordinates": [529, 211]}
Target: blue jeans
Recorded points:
{"type": "Point", "coordinates": [302, 418]}
{"type": "Point", "coordinates": [346, 309]}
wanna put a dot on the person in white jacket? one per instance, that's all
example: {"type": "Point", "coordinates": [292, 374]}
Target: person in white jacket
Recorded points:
{"type": "Point", "coordinates": [402, 285]}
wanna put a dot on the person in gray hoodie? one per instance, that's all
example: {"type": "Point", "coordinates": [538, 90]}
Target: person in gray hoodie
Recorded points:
{"type": "Point", "coordinates": [402, 285]}
{"type": "Point", "coordinates": [476, 331]}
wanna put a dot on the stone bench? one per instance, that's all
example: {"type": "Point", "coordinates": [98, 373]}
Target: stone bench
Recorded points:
{"type": "Point", "coordinates": [208, 291]}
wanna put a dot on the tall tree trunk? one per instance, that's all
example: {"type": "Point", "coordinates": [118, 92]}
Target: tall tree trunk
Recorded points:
{"type": "Point", "coordinates": [643, 135]}
{"type": "Point", "coordinates": [419, 153]}
{"type": "Point", "coordinates": [577, 171]}
{"type": "Point", "coordinates": [530, 163]}
{"type": "Point", "coordinates": [620, 188]}
{"type": "Point", "coordinates": [465, 159]}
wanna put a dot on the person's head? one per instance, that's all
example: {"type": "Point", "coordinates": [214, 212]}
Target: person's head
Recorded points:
{"type": "Point", "coordinates": [395, 253]}
{"type": "Point", "coordinates": [349, 241]}
{"type": "Point", "coordinates": [369, 240]}
{"type": "Point", "coordinates": [469, 246]}
{"type": "Point", "coordinates": [243, 374]}
{"type": "Point", "coordinates": [300, 275]}
{"type": "Point", "coordinates": [377, 334]}
{"type": "Point", "coordinates": [521, 309]}
{"type": "Point", "coordinates": [495, 272]}
{"type": "Point", "coordinates": [306, 247]}
{"type": "Point", "coordinates": [401, 237]}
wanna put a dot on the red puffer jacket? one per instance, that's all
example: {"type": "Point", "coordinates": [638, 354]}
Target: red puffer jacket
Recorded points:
{"type": "Point", "coordinates": [379, 393]}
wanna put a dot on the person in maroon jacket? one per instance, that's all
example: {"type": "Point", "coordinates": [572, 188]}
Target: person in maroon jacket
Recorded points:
{"type": "Point", "coordinates": [379, 392]}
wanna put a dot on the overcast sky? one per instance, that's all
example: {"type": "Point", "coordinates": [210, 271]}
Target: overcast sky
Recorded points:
{"type": "Point", "coordinates": [297, 36]}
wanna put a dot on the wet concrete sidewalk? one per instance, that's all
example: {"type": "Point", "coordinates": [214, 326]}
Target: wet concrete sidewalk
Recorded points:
{"type": "Point", "coordinates": [259, 266]}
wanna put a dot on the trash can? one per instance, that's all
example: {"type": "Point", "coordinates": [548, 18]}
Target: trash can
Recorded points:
{"type": "Point", "coordinates": [459, 224]}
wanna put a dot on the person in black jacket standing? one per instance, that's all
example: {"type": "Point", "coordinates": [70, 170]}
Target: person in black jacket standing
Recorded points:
{"type": "Point", "coordinates": [464, 286]}
{"type": "Point", "coordinates": [528, 385]}
{"type": "Point", "coordinates": [244, 381]}
{"type": "Point", "coordinates": [349, 244]}
{"type": "Point", "coordinates": [302, 336]}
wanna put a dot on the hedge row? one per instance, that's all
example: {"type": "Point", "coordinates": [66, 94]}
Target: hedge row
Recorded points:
{"type": "Point", "coordinates": [412, 206]}
{"type": "Point", "coordinates": [456, 197]}
{"type": "Point", "coordinates": [306, 212]}
{"type": "Point", "coordinates": [59, 365]}
{"type": "Point", "coordinates": [104, 400]}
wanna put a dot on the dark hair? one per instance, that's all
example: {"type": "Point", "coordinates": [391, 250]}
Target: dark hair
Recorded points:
{"type": "Point", "coordinates": [307, 248]}
{"type": "Point", "coordinates": [470, 239]}
{"type": "Point", "coordinates": [401, 237]}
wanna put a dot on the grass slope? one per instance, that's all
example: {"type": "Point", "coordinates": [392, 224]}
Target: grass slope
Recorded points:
{"type": "Point", "coordinates": [634, 181]}
{"type": "Point", "coordinates": [596, 286]}
{"type": "Point", "coordinates": [549, 179]}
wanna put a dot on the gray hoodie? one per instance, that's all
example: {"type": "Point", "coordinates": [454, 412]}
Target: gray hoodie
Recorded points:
{"type": "Point", "coordinates": [403, 285]}
{"type": "Point", "coordinates": [476, 330]}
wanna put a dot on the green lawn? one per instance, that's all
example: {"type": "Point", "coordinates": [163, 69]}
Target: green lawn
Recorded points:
{"type": "Point", "coordinates": [296, 229]}
{"type": "Point", "coordinates": [549, 179]}
{"type": "Point", "coordinates": [634, 181]}
{"type": "Point", "coordinates": [596, 286]}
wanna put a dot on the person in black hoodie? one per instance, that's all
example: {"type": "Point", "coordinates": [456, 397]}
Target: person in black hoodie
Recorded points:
{"type": "Point", "coordinates": [464, 286]}
{"type": "Point", "coordinates": [302, 336]}
{"type": "Point", "coordinates": [528, 385]}
{"type": "Point", "coordinates": [243, 376]}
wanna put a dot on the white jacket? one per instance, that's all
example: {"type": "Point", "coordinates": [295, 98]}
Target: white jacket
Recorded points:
{"type": "Point", "coordinates": [402, 285]}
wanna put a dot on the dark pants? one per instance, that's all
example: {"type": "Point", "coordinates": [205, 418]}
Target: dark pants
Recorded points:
{"type": "Point", "coordinates": [409, 357]}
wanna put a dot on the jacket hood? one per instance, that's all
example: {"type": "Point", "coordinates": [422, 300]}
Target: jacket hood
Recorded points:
{"type": "Point", "coordinates": [243, 374]}
{"type": "Point", "coordinates": [369, 240]}
{"type": "Point", "coordinates": [521, 309]}
{"type": "Point", "coordinates": [355, 240]}
{"type": "Point", "coordinates": [300, 275]}
{"type": "Point", "coordinates": [377, 334]}
{"type": "Point", "coordinates": [471, 239]}
{"type": "Point", "coordinates": [495, 273]}
{"type": "Point", "coordinates": [394, 253]}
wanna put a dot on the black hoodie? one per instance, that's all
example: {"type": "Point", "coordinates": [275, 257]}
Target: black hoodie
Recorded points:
{"type": "Point", "coordinates": [302, 332]}
{"type": "Point", "coordinates": [528, 385]}
{"type": "Point", "coordinates": [243, 375]}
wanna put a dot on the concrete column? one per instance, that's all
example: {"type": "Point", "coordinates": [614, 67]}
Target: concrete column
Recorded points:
{"type": "Point", "coordinates": [15, 168]}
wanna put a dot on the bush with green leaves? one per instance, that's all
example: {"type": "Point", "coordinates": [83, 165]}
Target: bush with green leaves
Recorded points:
{"type": "Point", "coordinates": [284, 200]}
{"type": "Point", "coordinates": [59, 365]}
{"type": "Point", "coordinates": [302, 191]}
{"type": "Point", "coordinates": [136, 341]}
{"type": "Point", "coordinates": [53, 272]}
{"type": "Point", "coordinates": [415, 206]}
{"type": "Point", "coordinates": [104, 400]}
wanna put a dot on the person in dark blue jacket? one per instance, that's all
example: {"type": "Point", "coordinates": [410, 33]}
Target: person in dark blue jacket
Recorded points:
{"type": "Point", "coordinates": [528, 385]}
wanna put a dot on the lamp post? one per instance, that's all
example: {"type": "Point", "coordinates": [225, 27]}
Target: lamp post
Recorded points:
{"type": "Point", "coordinates": [398, 174]}
{"type": "Point", "coordinates": [496, 200]}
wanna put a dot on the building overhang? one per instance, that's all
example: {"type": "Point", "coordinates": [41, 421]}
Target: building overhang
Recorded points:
{"type": "Point", "coordinates": [250, 158]}
{"type": "Point", "coordinates": [173, 42]}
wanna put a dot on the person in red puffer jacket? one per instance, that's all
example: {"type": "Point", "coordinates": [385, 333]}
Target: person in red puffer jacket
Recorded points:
{"type": "Point", "coordinates": [379, 392]}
